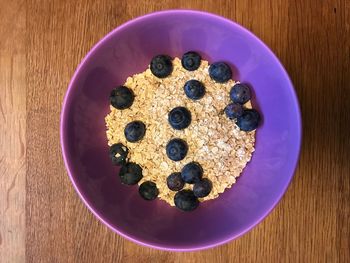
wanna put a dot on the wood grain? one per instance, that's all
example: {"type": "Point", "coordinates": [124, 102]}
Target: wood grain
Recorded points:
{"type": "Point", "coordinates": [42, 218]}
{"type": "Point", "coordinates": [12, 132]}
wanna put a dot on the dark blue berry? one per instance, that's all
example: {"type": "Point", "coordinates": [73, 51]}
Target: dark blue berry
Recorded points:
{"type": "Point", "coordinates": [148, 190]}
{"type": "Point", "coordinates": [233, 110]}
{"type": "Point", "coordinates": [192, 173]}
{"type": "Point", "coordinates": [194, 89]}
{"type": "Point", "coordinates": [176, 149]}
{"type": "Point", "coordinates": [220, 72]}
{"type": "Point", "coordinates": [161, 66]}
{"type": "Point", "coordinates": [202, 188]}
{"type": "Point", "coordinates": [249, 120]}
{"type": "Point", "coordinates": [240, 93]}
{"type": "Point", "coordinates": [179, 118]}
{"type": "Point", "coordinates": [134, 131]}
{"type": "Point", "coordinates": [130, 173]}
{"type": "Point", "coordinates": [185, 200]}
{"type": "Point", "coordinates": [175, 182]}
{"type": "Point", "coordinates": [121, 98]}
{"type": "Point", "coordinates": [191, 60]}
{"type": "Point", "coordinates": [118, 153]}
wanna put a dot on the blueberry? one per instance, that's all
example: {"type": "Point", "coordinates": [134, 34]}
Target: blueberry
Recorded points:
{"type": "Point", "coordinates": [240, 93]}
{"type": "Point", "coordinates": [191, 60]}
{"type": "Point", "coordinates": [185, 200]}
{"type": "Point", "coordinates": [179, 118]}
{"type": "Point", "coordinates": [249, 120]}
{"type": "Point", "coordinates": [192, 173]}
{"type": "Point", "coordinates": [175, 182]}
{"type": "Point", "coordinates": [233, 110]}
{"type": "Point", "coordinates": [148, 190]}
{"type": "Point", "coordinates": [161, 66]}
{"type": "Point", "coordinates": [176, 149]}
{"type": "Point", "coordinates": [202, 188]}
{"type": "Point", "coordinates": [118, 153]}
{"type": "Point", "coordinates": [194, 89]}
{"type": "Point", "coordinates": [121, 98]}
{"type": "Point", "coordinates": [130, 173]}
{"type": "Point", "coordinates": [134, 131]}
{"type": "Point", "coordinates": [220, 72]}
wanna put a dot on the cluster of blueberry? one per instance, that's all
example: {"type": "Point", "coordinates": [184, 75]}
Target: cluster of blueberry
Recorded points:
{"type": "Point", "coordinates": [247, 119]}
{"type": "Point", "coordinates": [130, 173]}
{"type": "Point", "coordinates": [176, 149]}
{"type": "Point", "coordinates": [179, 118]}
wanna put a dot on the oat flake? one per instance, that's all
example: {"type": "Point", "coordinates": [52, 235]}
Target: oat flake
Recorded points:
{"type": "Point", "coordinates": [214, 141]}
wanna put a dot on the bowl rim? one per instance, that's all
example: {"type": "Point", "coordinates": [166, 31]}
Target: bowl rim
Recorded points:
{"type": "Point", "coordinates": [63, 122]}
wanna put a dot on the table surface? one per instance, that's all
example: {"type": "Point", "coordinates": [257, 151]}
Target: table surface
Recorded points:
{"type": "Point", "coordinates": [41, 217]}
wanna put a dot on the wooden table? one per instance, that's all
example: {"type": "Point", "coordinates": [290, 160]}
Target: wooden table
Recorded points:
{"type": "Point", "coordinates": [41, 217]}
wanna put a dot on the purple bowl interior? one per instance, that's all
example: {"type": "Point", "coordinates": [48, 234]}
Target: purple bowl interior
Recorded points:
{"type": "Point", "coordinates": [128, 50]}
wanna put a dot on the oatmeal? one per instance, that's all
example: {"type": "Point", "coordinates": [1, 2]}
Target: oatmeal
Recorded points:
{"type": "Point", "coordinates": [214, 141]}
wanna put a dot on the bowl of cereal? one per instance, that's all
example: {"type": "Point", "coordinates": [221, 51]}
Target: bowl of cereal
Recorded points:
{"type": "Point", "coordinates": [180, 130]}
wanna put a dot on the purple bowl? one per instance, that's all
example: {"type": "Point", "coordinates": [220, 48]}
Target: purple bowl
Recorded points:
{"type": "Point", "coordinates": [128, 50]}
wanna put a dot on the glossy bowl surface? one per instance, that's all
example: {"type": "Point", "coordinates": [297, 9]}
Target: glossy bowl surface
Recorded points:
{"type": "Point", "coordinates": [128, 50]}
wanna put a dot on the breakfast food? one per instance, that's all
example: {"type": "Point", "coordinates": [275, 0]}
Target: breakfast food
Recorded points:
{"type": "Point", "coordinates": [186, 200]}
{"type": "Point", "coordinates": [148, 190]}
{"type": "Point", "coordinates": [182, 129]}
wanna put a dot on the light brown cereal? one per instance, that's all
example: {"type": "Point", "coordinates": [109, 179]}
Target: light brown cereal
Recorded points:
{"type": "Point", "coordinates": [222, 149]}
